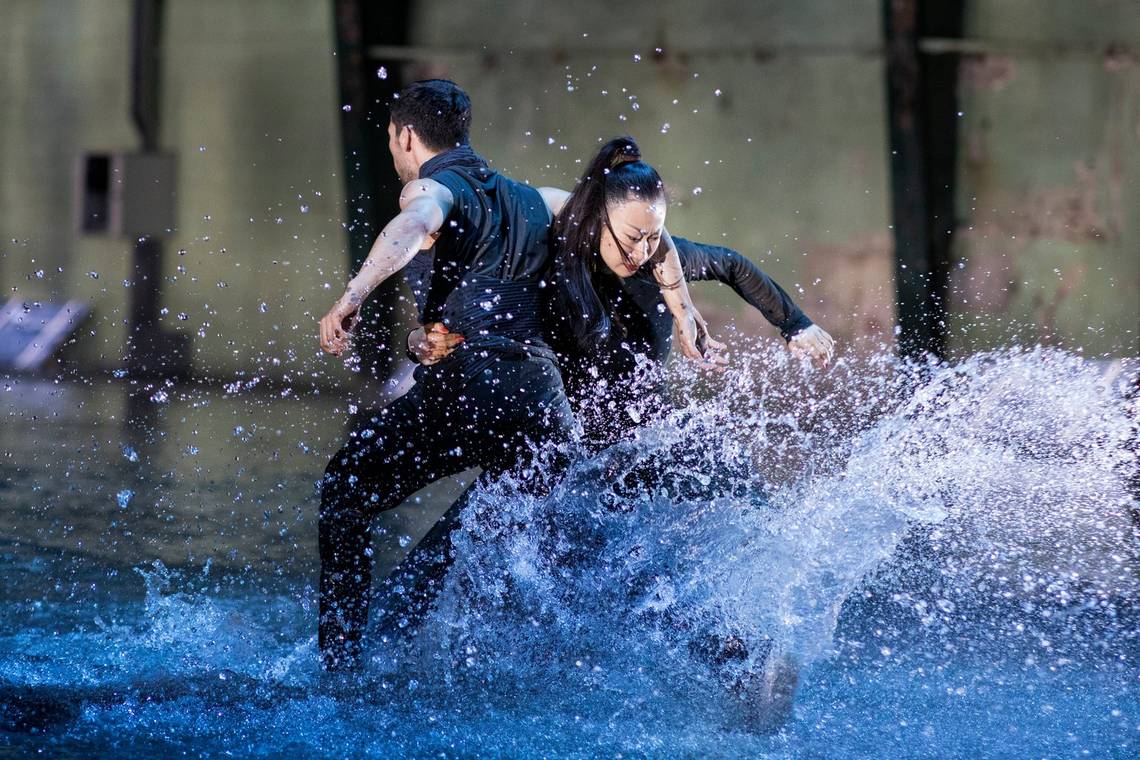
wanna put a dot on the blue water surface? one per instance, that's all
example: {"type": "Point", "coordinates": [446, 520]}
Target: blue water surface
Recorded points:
{"type": "Point", "coordinates": [947, 555]}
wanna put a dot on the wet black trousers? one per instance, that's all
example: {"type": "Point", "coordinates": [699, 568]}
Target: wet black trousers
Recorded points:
{"type": "Point", "coordinates": [484, 409]}
{"type": "Point", "coordinates": [407, 594]}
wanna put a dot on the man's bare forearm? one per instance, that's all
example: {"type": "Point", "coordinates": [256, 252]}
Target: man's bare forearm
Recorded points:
{"type": "Point", "coordinates": [396, 245]}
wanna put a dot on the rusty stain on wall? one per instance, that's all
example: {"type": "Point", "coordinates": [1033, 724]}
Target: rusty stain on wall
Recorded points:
{"type": "Point", "coordinates": [1004, 228]}
{"type": "Point", "coordinates": [987, 73]}
{"type": "Point", "coordinates": [1045, 309]}
{"type": "Point", "coordinates": [854, 284]}
{"type": "Point", "coordinates": [847, 288]}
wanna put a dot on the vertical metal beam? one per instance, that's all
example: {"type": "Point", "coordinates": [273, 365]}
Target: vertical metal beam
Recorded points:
{"type": "Point", "coordinates": [151, 351]}
{"type": "Point", "coordinates": [371, 186]}
{"type": "Point", "coordinates": [922, 123]}
{"type": "Point", "coordinates": [146, 71]}
{"type": "Point", "coordinates": [943, 19]}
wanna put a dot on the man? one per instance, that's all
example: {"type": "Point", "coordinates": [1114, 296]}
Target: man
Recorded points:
{"type": "Point", "coordinates": [495, 393]}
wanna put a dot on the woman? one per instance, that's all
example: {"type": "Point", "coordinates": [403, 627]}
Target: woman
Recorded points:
{"type": "Point", "coordinates": [608, 311]}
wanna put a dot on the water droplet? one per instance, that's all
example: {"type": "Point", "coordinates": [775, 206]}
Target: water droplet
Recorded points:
{"type": "Point", "coordinates": [124, 497]}
{"type": "Point", "coordinates": [697, 190]}
{"type": "Point", "coordinates": [263, 307]}
{"type": "Point", "coordinates": [381, 73]}
{"type": "Point", "coordinates": [130, 454]}
{"type": "Point", "coordinates": [405, 541]}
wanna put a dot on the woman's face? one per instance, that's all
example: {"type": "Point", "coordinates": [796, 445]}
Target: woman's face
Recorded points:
{"type": "Point", "coordinates": [638, 225]}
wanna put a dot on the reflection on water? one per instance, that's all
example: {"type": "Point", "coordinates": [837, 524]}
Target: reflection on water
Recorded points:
{"type": "Point", "coordinates": [948, 553]}
{"type": "Point", "coordinates": [183, 474]}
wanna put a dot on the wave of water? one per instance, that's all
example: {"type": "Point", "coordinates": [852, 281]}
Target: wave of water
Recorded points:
{"type": "Point", "coordinates": [928, 528]}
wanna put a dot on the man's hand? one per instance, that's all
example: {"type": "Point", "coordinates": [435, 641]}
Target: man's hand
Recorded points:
{"type": "Point", "coordinates": [432, 342]}
{"type": "Point", "coordinates": [691, 335]}
{"type": "Point", "coordinates": [813, 342]}
{"type": "Point", "coordinates": [336, 326]}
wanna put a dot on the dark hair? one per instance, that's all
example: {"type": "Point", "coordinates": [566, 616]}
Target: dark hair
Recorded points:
{"type": "Point", "coordinates": [616, 174]}
{"type": "Point", "coordinates": [437, 110]}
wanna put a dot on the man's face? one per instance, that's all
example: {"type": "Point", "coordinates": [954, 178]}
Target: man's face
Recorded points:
{"type": "Point", "coordinates": [405, 163]}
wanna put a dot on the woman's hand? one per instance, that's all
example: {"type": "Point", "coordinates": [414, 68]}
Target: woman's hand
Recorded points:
{"type": "Point", "coordinates": [691, 334]}
{"type": "Point", "coordinates": [336, 326]}
{"type": "Point", "coordinates": [813, 342]}
{"type": "Point", "coordinates": [432, 342]}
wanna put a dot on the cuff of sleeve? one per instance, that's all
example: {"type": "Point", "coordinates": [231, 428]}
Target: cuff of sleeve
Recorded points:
{"type": "Point", "coordinates": [801, 324]}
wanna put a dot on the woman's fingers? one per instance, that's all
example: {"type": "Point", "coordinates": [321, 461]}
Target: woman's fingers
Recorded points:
{"type": "Point", "coordinates": [686, 335]}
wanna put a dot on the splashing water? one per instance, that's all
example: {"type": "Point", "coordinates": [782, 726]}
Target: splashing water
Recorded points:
{"type": "Point", "coordinates": [946, 554]}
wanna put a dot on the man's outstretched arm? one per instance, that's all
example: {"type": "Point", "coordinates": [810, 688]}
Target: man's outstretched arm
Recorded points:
{"type": "Point", "coordinates": [424, 205]}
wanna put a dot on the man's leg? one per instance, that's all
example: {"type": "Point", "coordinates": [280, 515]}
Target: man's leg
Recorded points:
{"type": "Point", "coordinates": [389, 456]}
{"type": "Point", "coordinates": [407, 594]}
{"type": "Point", "coordinates": [521, 405]}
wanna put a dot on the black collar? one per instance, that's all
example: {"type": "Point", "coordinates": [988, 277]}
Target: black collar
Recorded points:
{"type": "Point", "coordinates": [456, 158]}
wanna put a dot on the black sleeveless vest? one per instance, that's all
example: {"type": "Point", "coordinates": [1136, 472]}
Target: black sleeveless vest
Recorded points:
{"type": "Point", "coordinates": [484, 277]}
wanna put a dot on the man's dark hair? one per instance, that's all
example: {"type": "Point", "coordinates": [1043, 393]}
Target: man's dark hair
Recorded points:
{"type": "Point", "coordinates": [437, 110]}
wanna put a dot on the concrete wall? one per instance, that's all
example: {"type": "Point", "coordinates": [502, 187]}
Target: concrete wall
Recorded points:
{"type": "Point", "coordinates": [250, 109]}
{"type": "Point", "coordinates": [788, 162]}
{"type": "Point", "coordinates": [1049, 237]}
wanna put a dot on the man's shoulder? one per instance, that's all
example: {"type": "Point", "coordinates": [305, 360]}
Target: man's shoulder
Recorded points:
{"type": "Point", "coordinates": [426, 188]}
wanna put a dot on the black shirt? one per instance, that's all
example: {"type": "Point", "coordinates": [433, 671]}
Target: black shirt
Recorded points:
{"type": "Point", "coordinates": [604, 382]}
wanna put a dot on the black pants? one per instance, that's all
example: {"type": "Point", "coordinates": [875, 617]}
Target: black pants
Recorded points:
{"type": "Point", "coordinates": [477, 409]}
{"type": "Point", "coordinates": [407, 594]}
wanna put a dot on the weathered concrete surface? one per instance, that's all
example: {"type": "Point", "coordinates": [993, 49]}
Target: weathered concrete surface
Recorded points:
{"type": "Point", "coordinates": [789, 158]}
{"type": "Point", "coordinates": [249, 107]}
{"type": "Point", "coordinates": [1049, 237]}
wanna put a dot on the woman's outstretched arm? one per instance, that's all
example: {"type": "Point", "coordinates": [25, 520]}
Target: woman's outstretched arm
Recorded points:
{"type": "Point", "coordinates": [711, 262]}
